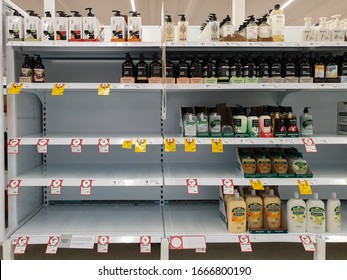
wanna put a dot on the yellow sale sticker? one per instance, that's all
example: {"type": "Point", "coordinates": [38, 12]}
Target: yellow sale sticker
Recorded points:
{"type": "Point", "coordinates": [127, 144]}
{"type": "Point", "coordinates": [140, 145]}
{"type": "Point", "coordinates": [15, 88]}
{"type": "Point", "coordinates": [104, 89]}
{"type": "Point", "coordinates": [58, 89]}
{"type": "Point", "coordinates": [217, 145]}
{"type": "Point", "coordinates": [170, 145]}
{"type": "Point", "coordinates": [189, 145]}
{"type": "Point", "coordinates": [304, 187]}
{"type": "Point", "coordinates": [257, 185]}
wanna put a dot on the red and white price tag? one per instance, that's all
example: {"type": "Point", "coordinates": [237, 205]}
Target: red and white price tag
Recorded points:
{"type": "Point", "coordinates": [13, 146]}
{"type": "Point", "coordinates": [228, 186]}
{"type": "Point", "coordinates": [307, 243]}
{"type": "Point", "coordinates": [310, 146]}
{"type": "Point", "coordinates": [103, 244]}
{"type": "Point", "coordinates": [86, 187]}
{"type": "Point", "coordinates": [13, 187]}
{"type": "Point", "coordinates": [42, 146]}
{"type": "Point", "coordinates": [76, 145]}
{"type": "Point", "coordinates": [145, 245]}
{"type": "Point", "coordinates": [56, 186]}
{"type": "Point", "coordinates": [52, 245]}
{"type": "Point", "coordinates": [192, 186]}
{"type": "Point", "coordinates": [176, 242]}
{"type": "Point", "coordinates": [245, 243]}
{"type": "Point", "coordinates": [21, 244]}
{"type": "Point", "coordinates": [104, 145]}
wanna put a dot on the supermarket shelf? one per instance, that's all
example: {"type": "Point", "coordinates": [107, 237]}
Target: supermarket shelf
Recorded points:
{"type": "Point", "coordinates": [203, 219]}
{"type": "Point", "coordinates": [91, 138]}
{"type": "Point", "coordinates": [95, 220]}
{"type": "Point", "coordinates": [102, 174]}
{"type": "Point", "coordinates": [342, 236]}
{"type": "Point", "coordinates": [318, 139]}
{"type": "Point", "coordinates": [211, 174]}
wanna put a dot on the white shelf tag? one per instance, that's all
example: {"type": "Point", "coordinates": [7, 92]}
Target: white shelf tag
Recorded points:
{"type": "Point", "coordinates": [76, 145]}
{"type": "Point", "coordinates": [310, 146]}
{"type": "Point", "coordinates": [228, 186]}
{"type": "Point", "coordinates": [145, 245]}
{"type": "Point", "coordinates": [307, 243]}
{"type": "Point", "coordinates": [52, 245]}
{"type": "Point", "coordinates": [245, 243]}
{"type": "Point", "coordinates": [21, 244]}
{"type": "Point", "coordinates": [13, 146]}
{"type": "Point", "coordinates": [192, 186]}
{"type": "Point", "coordinates": [42, 146]}
{"type": "Point", "coordinates": [103, 244]}
{"type": "Point", "coordinates": [200, 250]}
{"type": "Point", "coordinates": [13, 187]}
{"type": "Point", "coordinates": [104, 145]}
{"type": "Point", "coordinates": [86, 187]}
{"type": "Point", "coordinates": [323, 141]}
{"type": "Point", "coordinates": [187, 242]}
{"type": "Point", "coordinates": [56, 186]}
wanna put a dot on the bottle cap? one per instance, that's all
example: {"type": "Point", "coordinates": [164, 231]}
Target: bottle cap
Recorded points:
{"type": "Point", "coordinates": [183, 17]}
{"type": "Point", "coordinates": [315, 196]}
{"type": "Point", "coordinates": [272, 192]}
{"type": "Point", "coordinates": [90, 14]}
{"type": "Point", "coordinates": [306, 110]}
{"type": "Point", "coordinates": [296, 195]}
{"type": "Point", "coordinates": [116, 13]}
{"type": "Point", "coordinates": [168, 19]}
{"type": "Point", "coordinates": [333, 195]}
{"type": "Point", "coordinates": [253, 192]}
{"type": "Point", "coordinates": [277, 6]}
{"type": "Point", "coordinates": [48, 14]}
{"type": "Point", "coordinates": [31, 13]}
{"type": "Point", "coordinates": [134, 13]}
{"type": "Point", "coordinates": [76, 13]}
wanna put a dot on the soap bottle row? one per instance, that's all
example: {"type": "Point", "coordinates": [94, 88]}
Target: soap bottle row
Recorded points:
{"type": "Point", "coordinates": [33, 70]}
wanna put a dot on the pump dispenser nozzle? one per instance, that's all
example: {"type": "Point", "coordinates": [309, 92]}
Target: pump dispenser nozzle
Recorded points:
{"type": "Point", "coordinates": [76, 13]}
{"type": "Point", "coordinates": [183, 17]}
{"type": "Point", "coordinates": [16, 13]}
{"type": "Point", "coordinates": [48, 14]}
{"type": "Point", "coordinates": [168, 19]}
{"type": "Point", "coordinates": [117, 13]}
{"type": "Point", "coordinates": [31, 13]}
{"type": "Point", "coordinates": [90, 14]}
{"type": "Point", "coordinates": [134, 13]}
{"type": "Point", "coordinates": [60, 13]}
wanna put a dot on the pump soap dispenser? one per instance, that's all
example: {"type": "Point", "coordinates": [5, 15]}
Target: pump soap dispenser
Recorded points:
{"type": "Point", "coordinates": [183, 26]}
{"type": "Point", "coordinates": [323, 32]}
{"type": "Point", "coordinates": [134, 27]}
{"type": "Point", "coordinates": [61, 24]}
{"type": "Point", "coordinates": [32, 27]}
{"type": "Point", "coordinates": [91, 27]}
{"type": "Point", "coordinates": [169, 29]}
{"type": "Point", "coordinates": [47, 27]}
{"type": "Point", "coordinates": [307, 33]}
{"type": "Point", "coordinates": [75, 26]}
{"type": "Point", "coordinates": [15, 27]}
{"type": "Point", "coordinates": [337, 32]}
{"type": "Point", "coordinates": [118, 27]}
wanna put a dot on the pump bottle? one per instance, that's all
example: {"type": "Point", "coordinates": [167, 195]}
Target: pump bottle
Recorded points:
{"type": "Point", "coordinates": [47, 27]}
{"type": "Point", "coordinates": [61, 26]}
{"type": "Point", "coordinates": [264, 30]}
{"type": "Point", "coordinates": [306, 123]}
{"type": "Point", "coordinates": [183, 26]}
{"type": "Point", "coordinates": [15, 27]}
{"type": "Point", "coordinates": [128, 67]}
{"type": "Point", "coordinates": [333, 214]}
{"type": "Point", "coordinates": [315, 213]}
{"type": "Point", "coordinates": [252, 30]}
{"type": "Point", "coordinates": [118, 27]}
{"type": "Point", "coordinates": [169, 29]}
{"type": "Point", "coordinates": [227, 30]}
{"type": "Point", "coordinates": [307, 33]}
{"type": "Point", "coordinates": [323, 32]}
{"type": "Point", "coordinates": [142, 70]}
{"type": "Point", "coordinates": [75, 26]}
{"type": "Point", "coordinates": [337, 32]}
{"type": "Point", "coordinates": [91, 26]}
{"type": "Point", "coordinates": [155, 69]}
{"type": "Point", "coordinates": [296, 214]}
{"type": "Point", "coordinates": [39, 71]}
{"type": "Point", "coordinates": [134, 27]}
{"type": "Point", "coordinates": [277, 24]}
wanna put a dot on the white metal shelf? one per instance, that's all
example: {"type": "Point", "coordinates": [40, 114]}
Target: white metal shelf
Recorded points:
{"type": "Point", "coordinates": [70, 45]}
{"type": "Point", "coordinates": [122, 223]}
{"type": "Point", "coordinates": [256, 45]}
{"type": "Point", "coordinates": [109, 175]}
{"type": "Point", "coordinates": [203, 219]}
{"type": "Point", "coordinates": [211, 174]}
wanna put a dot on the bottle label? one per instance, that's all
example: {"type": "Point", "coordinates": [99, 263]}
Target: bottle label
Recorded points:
{"type": "Point", "coordinates": [267, 122]}
{"type": "Point", "coordinates": [169, 72]}
{"type": "Point", "coordinates": [128, 71]}
{"type": "Point", "coordinates": [26, 72]}
{"type": "Point", "coordinates": [215, 125]}
{"type": "Point", "coordinates": [255, 123]}
{"type": "Point", "coordinates": [305, 71]}
{"type": "Point", "coordinates": [323, 35]}
{"type": "Point", "coordinates": [331, 71]}
{"type": "Point", "coordinates": [308, 35]}
{"type": "Point", "coordinates": [183, 32]}
{"type": "Point", "coordinates": [183, 72]}
{"type": "Point", "coordinates": [278, 23]}
{"type": "Point", "coordinates": [338, 35]}
{"type": "Point", "coordinates": [39, 75]}
{"type": "Point", "coordinates": [224, 72]}
{"type": "Point", "coordinates": [237, 124]}
{"type": "Point", "coordinates": [264, 32]}
{"type": "Point", "coordinates": [275, 71]}
{"type": "Point", "coordinates": [255, 211]}
{"type": "Point", "coordinates": [214, 31]}
{"type": "Point", "coordinates": [245, 71]}
{"type": "Point", "coordinates": [252, 32]}
{"type": "Point", "coordinates": [337, 212]}
{"type": "Point", "coordinates": [227, 30]}
{"type": "Point", "coordinates": [316, 215]}
{"type": "Point", "coordinates": [156, 71]}
{"type": "Point", "coordinates": [298, 214]}
{"type": "Point", "coordinates": [233, 71]}
{"type": "Point", "coordinates": [307, 124]}
{"type": "Point", "coordinates": [238, 215]}
{"type": "Point", "coordinates": [319, 71]}
{"type": "Point", "coordinates": [290, 71]}
{"type": "Point", "coordinates": [272, 211]}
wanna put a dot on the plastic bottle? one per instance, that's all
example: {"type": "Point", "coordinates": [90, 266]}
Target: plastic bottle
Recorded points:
{"type": "Point", "coordinates": [39, 71]}
{"type": "Point", "coordinates": [47, 27]}
{"type": "Point", "coordinates": [202, 125]}
{"type": "Point", "coordinates": [315, 215]}
{"type": "Point", "coordinates": [240, 119]}
{"type": "Point", "coordinates": [253, 124]}
{"type": "Point", "coordinates": [75, 26]}
{"type": "Point", "coordinates": [307, 33]}
{"type": "Point", "coordinates": [170, 68]}
{"type": "Point", "coordinates": [189, 123]}
{"type": "Point", "coordinates": [319, 67]}
{"type": "Point", "coordinates": [273, 208]}
{"type": "Point", "coordinates": [306, 123]}
{"type": "Point", "coordinates": [15, 27]}
{"type": "Point", "coordinates": [277, 24]}
{"type": "Point", "coordinates": [227, 30]}
{"type": "Point", "coordinates": [331, 68]}
{"type": "Point", "coordinates": [142, 70]}
{"type": "Point", "coordinates": [223, 70]}
{"type": "Point", "coordinates": [215, 121]}
{"type": "Point", "coordinates": [337, 32]}
{"type": "Point", "coordinates": [264, 30]}
{"type": "Point", "coordinates": [209, 69]}
{"type": "Point", "coordinates": [236, 68]}
{"type": "Point", "coordinates": [182, 68]}
{"type": "Point", "coordinates": [305, 69]}
{"type": "Point", "coordinates": [214, 28]}
{"type": "Point", "coordinates": [128, 67]}
{"type": "Point", "coordinates": [169, 29]}
{"type": "Point", "coordinates": [249, 69]}
{"type": "Point", "coordinates": [254, 208]}
{"type": "Point", "coordinates": [196, 68]}
{"type": "Point", "coordinates": [155, 69]}
{"type": "Point", "coordinates": [296, 214]}
{"type": "Point", "coordinates": [265, 123]}
{"type": "Point", "coordinates": [334, 214]}
{"type": "Point", "coordinates": [252, 30]}
{"type": "Point", "coordinates": [183, 26]}
{"type": "Point", "coordinates": [236, 213]}
{"type": "Point", "coordinates": [323, 31]}
{"type": "Point", "coordinates": [263, 68]}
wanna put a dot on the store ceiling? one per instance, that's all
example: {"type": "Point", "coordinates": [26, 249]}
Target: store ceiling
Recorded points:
{"type": "Point", "coordinates": [196, 10]}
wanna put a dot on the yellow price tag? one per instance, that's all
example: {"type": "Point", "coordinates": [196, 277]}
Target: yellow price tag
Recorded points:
{"type": "Point", "coordinates": [304, 187]}
{"type": "Point", "coordinates": [127, 144]}
{"type": "Point", "coordinates": [257, 185]}
{"type": "Point", "coordinates": [104, 89]}
{"type": "Point", "coordinates": [217, 145]}
{"type": "Point", "coordinates": [189, 145]}
{"type": "Point", "coordinates": [140, 145]}
{"type": "Point", "coordinates": [58, 89]}
{"type": "Point", "coordinates": [15, 88]}
{"type": "Point", "coordinates": [170, 145]}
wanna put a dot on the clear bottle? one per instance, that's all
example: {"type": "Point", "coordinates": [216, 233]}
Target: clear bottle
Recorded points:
{"type": "Point", "coordinates": [264, 30]}
{"type": "Point", "coordinates": [252, 30]}
{"type": "Point", "coordinates": [277, 24]}
{"type": "Point", "coordinates": [315, 215]}
{"type": "Point", "coordinates": [337, 32]}
{"type": "Point", "coordinates": [169, 29]}
{"type": "Point", "coordinates": [334, 214]}
{"type": "Point", "coordinates": [215, 121]}
{"type": "Point", "coordinates": [142, 70]}
{"type": "Point", "coordinates": [227, 30]}
{"type": "Point", "coordinates": [128, 67]}
{"type": "Point", "coordinates": [155, 69]}
{"type": "Point", "coordinates": [296, 214]}
{"type": "Point", "coordinates": [323, 31]}
{"type": "Point", "coordinates": [183, 26]}
{"type": "Point", "coordinates": [307, 33]}
{"type": "Point", "coordinates": [214, 28]}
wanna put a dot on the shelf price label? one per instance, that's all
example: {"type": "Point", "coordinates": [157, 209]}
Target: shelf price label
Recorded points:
{"type": "Point", "coordinates": [170, 145]}
{"type": "Point", "coordinates": [56, 186]}
{"type": "Point", "coordinates": [13, 146]}
{"type": "Point", "coordinates": [86, 187]}
{"type": "Point", "coordinates": [192, 186]}
{"type": "Point", "coordinates": [217, 145]}
{"type": "Point", "coordinates": [310, 146]}
{"type": "Point", "coordinates": [104, 145]}
{"type": "Point", "coordinates": [245, 243]}
{"type": "Point", "coordinates": [13, 187]}
{"type": "Point", "coordinates": [76, 146]}
{"type": "Point", "coordinates": [307, 243]}
{"type": "Point", "coordinates": [189, 145]}
{"type": "Point", "coordinates": [15, 88]}
{"type": "Point", "coordinates": [127, 144]}
{"type": "Point", "coordinates": [42, 146]}
{"type": "Point", "coordinates": [141, 145]}
{"type": "Point", "coordinates": [304, 187]}
{"type": "Point", "coordinates": [21, 244]}
{"type": "Point", "coordinates": [145, 245]}
{"type": "Point", "coordinates": [103, 242]}
{"type": "Point", "coordinates": [104, 89]}
{"type": "Point", "coordinates": [228, 186]}
{"type": "Point", "coordinates": [257, 184]}
{"type": "Point", "coordinates": [52, 245]}
{"type": "Point", "coordinates": [58, 89]}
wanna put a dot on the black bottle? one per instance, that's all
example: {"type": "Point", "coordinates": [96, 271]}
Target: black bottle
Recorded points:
{"type": "Point", "coordinates": [27, 69]}
{"type": "Point", "coordinates": [236, 69]}
{"type": "Point", "coordinates": [170, 68]}
{"type": "Point", "coordinates": [155, 69]}
{"type": "Point", "coordinates": [263, 68]}
{"type": "Point", "coordinates": [331, 69]}
{"type": "Point", "coordinates": [223, 70]}
{"type": "Point", "coordinates": [249, 70]}
{"type": "Point", "coordinates": [318, 67]}
{"type": "Point", "coordinates": [343, 67]}
{"type": "Point", "coordinates": [142, 70]}
{"type": "Point", "coordinates": [305, 69]}
{"type": "Point", "coordinates": [39, 70]}
{"type": "Point", "coordinates": [288, 68]}
{"type": "Point", "coordinates": [128, 67]}
{"type": "Point", "coordinates": [209, 70]}
{"type": "Point", "coordinates": [182, 68]}
{"type": "Point", "coordinates": [196, 68]}
{"type": "Point", "coordinates": [276, 68]}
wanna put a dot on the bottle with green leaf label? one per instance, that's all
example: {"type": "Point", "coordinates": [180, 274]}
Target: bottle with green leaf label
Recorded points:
{"type": "Point", "coordinates": [315, 212]}
{"type": "Point", "coordinates": [296, 214]}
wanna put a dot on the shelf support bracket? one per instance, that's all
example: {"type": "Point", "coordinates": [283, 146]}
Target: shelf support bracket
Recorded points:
{"type": "Point", "coordinates": [238, 11]}
{"type": "Point", "coordinates": [7, 250]}
{"type": "Point", "coordinates": [320, 253]}
{"type": "Point", "coordinates": [164, 249]}
{"type": "Point", "coordinates": [49, 6]}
